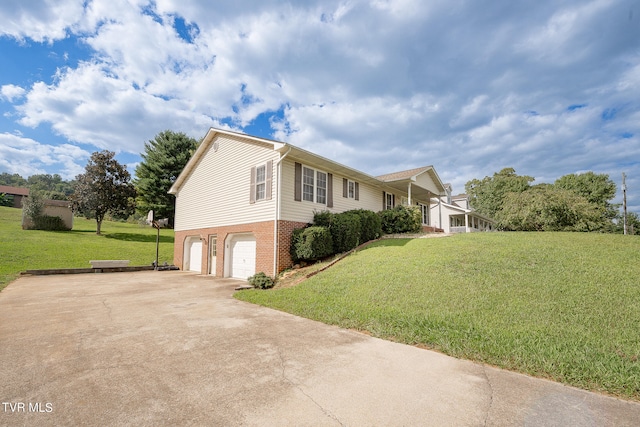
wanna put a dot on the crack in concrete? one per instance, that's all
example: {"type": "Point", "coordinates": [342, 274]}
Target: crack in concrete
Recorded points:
{"type": "Point", "coordinates": [284, 376]}
{"type": "Point", "coordinates": [104, 302]}
{"type": "Point", "coordinates": [486, 417]}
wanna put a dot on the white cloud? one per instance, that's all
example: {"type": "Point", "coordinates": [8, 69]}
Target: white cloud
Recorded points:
{"type": "Point", "coordinates": [11, 92]}
{"type": "Point", "coordinates": [380, 85]}
{"type": "Point", "coordinates": [28, 157]}
{"type": "Point", "coordinates": [39, 20]}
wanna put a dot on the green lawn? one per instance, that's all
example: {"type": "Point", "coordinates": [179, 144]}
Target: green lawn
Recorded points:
{"type": "Point", "coordinates": [563, 306]}
{"type": "Point", "coordinates": [33, 249]}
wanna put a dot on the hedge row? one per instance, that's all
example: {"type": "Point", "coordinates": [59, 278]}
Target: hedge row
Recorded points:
{"type": "Point", "coordinates": [334, 233]}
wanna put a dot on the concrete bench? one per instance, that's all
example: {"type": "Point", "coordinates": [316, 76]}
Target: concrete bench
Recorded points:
{"type": "Point", "coordinates": [109, 263]}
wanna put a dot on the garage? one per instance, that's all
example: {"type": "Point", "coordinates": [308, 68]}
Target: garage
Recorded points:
{"type": "Point", "coordinates": [242, 256]}
{"type": "Point", "coordinates": [193, 254]}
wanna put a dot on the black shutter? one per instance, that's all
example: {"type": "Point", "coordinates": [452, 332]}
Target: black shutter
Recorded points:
{"type": "Point", "coordinates": [297, 188]}
{"type": "Point", "coordinates": [357, 190]}
{"type": "Point", "coordinates": [345, 187]}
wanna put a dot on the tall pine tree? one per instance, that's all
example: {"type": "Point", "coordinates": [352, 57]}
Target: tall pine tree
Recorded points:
{"type": "Point", "coordinates": [163, 159]}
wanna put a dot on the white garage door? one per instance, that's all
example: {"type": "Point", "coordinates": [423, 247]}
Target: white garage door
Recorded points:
{"type": "Point", "coordinates": [195, 255]}
{"type": "Point", "coordinates": [243, 257]}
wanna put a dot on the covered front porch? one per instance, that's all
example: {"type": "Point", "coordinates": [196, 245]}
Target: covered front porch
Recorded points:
{"type": "Point", "coordinates": [416, 187]}
{"type": "Point", "coordinates": [469, 223]}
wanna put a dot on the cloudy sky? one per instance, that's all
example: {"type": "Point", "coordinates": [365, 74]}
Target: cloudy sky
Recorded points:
{"type": "Point", "coordinates": [548, 87]}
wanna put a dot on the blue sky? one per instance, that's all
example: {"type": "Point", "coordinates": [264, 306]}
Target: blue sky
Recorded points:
{"type": "Point", "coordinates": [470, 87]}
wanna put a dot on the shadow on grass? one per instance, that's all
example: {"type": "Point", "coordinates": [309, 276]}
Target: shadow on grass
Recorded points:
{"type": "Point", "coordinates": [134, 237]}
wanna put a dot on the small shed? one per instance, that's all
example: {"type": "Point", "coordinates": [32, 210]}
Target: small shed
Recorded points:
{"type": "Point", "coordinates": [59, 208]}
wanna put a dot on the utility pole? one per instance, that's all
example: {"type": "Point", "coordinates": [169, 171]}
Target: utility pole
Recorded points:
{"type": "Point", "coordinates": [624, 203]}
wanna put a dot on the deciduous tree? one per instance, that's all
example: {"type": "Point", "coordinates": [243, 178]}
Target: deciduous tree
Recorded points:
{"type": "Point", "coordinates": [598, 189]}
{"type": "Point", "coordinates": [547, 208]}
{"type": "Point", "coordinates": [105, 187]}
{"type": "Point", "coordinates": [487, 195]}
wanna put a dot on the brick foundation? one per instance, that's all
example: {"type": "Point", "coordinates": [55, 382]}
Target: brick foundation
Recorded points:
{"type": "Point", "coordinates": [285, 231]}
{"type": "Point", "coordinates": [263, 232]}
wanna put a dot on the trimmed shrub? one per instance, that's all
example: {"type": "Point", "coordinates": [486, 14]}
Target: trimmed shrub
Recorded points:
{"type": "Point", "coordinates": [49, 223]}
{"type": "Point", "coordinates": [323, 218]}
{"type": "Point", "coordinates": [345, 230]}
{"type": "Point", "coordinates": [371, 226]}
{"type": "Point", "coordinates": [261, 281]}
{"type": "Point", "coordinates": [401, 219]}
{"type": "Point", "coordinates": [296, 238]}
{"type": "Point", "coordinates": [313, 243]}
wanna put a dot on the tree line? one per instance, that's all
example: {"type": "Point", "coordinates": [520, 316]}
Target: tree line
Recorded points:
{"type": "Point", "coordinates": [574, 202]}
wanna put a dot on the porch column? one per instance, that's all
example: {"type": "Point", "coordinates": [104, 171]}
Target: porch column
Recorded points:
{"type": "Point", "coordinates": [409, 193]}
{"type": "Point", "coordinates": [466, 222]}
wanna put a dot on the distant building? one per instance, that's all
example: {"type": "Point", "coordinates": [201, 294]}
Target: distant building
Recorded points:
{"type": "Point", "coordinates": [17, 193]}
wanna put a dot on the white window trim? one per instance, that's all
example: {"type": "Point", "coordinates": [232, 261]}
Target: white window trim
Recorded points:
{"type": "Point", "coordinates": [263, 182]}
{"type": "Point", "coordinates": [389, 197]}
{"type": "Point", "coordinates": [351, 189]}
{"type": "Point", "coordinates": [315, 185]}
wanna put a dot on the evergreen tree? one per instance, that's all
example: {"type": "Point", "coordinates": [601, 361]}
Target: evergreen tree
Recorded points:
{"type": "Point", "coordinates": [163, 160]}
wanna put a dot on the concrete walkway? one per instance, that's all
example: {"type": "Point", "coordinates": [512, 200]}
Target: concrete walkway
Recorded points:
{"type": "Point", "coordinates": [173, 348]}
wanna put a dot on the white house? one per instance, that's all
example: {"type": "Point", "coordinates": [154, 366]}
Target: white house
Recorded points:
{"type": "Point", "coordinates": [453, 214]}
{"type": "Point", "coordinates": [240, 197]}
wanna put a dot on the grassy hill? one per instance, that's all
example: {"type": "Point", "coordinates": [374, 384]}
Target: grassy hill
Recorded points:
{"type": "Point", "coordinates": [563, 306]}
{"type": "Point", "coordinates": [33, 249]}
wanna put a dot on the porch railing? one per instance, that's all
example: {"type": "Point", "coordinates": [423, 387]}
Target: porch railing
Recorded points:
{"type": "Point", "coordinates": [462, 229]}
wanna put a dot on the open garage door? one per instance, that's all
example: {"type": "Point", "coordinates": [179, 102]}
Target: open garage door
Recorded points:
{"type": "Point", "coordinates": [242, 251]}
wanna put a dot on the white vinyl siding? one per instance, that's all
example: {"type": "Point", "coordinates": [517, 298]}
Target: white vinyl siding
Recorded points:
{"type": "Point", "coordinates": [425, 181]}
{"type": "Point", "coordinates": [302, 211]}
{"type": "Point", "coordinates": [217, 193]}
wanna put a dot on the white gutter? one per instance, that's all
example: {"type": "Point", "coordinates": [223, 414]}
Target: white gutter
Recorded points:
{"type": "Point", "coordinates": [276, 243]}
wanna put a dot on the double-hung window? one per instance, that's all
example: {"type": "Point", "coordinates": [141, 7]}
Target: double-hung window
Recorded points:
{"type": "Point", "coordinates": [308, 184]}
{"type": "Point", "coordinates": [314, 186]}
{"type": "Point", "coordinates": [261, 179]}
{"type": "Point", "coordinates": [352, 189]}
{"type": "Point", "coordinates": [311, 185]}
{"type": "Point", "coordinates": [390, 201]}
{"type": "Point", "coordinates": [261, 182]}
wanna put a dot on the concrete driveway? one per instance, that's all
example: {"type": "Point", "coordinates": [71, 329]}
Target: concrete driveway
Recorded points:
{"type": "Point", "coordinates": [174, 348]}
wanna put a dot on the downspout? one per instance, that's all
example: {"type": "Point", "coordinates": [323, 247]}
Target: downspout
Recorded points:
{"type": "Point", "coordinates": [276, 242]}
